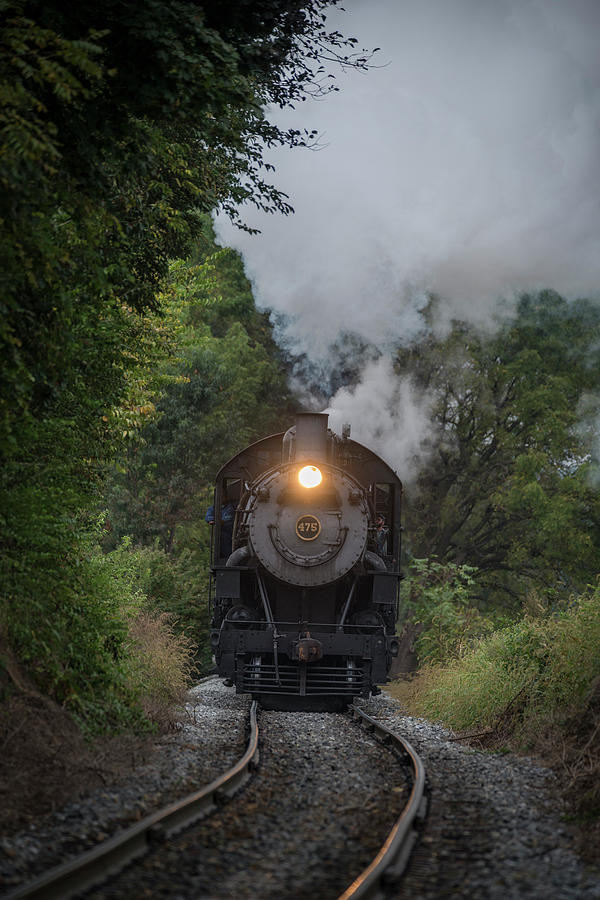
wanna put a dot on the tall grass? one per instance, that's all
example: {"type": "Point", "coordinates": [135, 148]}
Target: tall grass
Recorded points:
{"type": "Point", "coordinates": [533, 685]}
{"type": "Point", "coordinates": [160, 665]}
{"type": "Point", "coordinates": [535, 669]}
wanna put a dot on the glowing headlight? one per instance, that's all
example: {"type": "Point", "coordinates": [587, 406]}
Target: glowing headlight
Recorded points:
{"type": "Point", "coordinates": [309, 476]}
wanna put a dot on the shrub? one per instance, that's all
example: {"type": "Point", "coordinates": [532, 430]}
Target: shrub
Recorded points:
{"type": "Point", "coordinates": [175, 583]}
{"type": "Point", "coordinates": [160, 665]}
{"type": "Point", "coordinates": [542, 669]}
{"type": "Point", "coordinates": [440, 598]}
{"type": "Point", "coordinates": [533, 685]}
{"type": "Point", "coordinates": [100, 645]}
{"type": "Point", "coordinates": [158, 655]}
{"type": "Point", "coordinates": [64, 619]}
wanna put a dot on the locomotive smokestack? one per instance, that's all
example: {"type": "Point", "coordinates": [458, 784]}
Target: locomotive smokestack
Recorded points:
{"type": "Point", "coordinates": [311, 437]}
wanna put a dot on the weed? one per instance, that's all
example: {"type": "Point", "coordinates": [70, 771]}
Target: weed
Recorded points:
{"type": "Point", "coordinates": [160, 666]}
{"type": "Point", "coordinates": [533, 685]}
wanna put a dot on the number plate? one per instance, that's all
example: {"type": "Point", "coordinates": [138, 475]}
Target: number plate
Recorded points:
{"type": "Point", "coordinates": [308, 527]}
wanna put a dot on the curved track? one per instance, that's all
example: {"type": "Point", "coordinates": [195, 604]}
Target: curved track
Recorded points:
{"type": "Point", "coordinates": [385, 869]}
{"type": "Point", "coordinates": [388, 865]}
{"type": "Point", "coordinates": [96, 865]}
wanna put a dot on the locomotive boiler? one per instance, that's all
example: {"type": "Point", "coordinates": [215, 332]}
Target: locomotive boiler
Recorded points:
{"type": "Point", "coordinates": [305, 568]}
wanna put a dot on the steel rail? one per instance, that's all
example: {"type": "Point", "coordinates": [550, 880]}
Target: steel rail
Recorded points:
{"type": "Point", "coordinates": [389, 863]}
{"type": "Point", "coordinates": [96, 865]}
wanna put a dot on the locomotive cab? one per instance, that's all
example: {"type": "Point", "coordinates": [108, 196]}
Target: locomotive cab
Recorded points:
{"type": "Point", "coordinates": [304, 607]}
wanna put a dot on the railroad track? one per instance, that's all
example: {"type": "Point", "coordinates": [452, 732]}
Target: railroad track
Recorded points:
{"type": "Point", "coordinates": [389, 864]}
{"type": "Point", "coordinates": [104, 861]}
{"type": "Point", "coordinates": [96, 865]}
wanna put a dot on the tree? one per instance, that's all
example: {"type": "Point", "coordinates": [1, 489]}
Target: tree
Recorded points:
{"type": "Point", "coordinates": [226, 388]}
{"type": "Point", "coordinates": [120, 124]}
{"type": "Point", "coordinates": [506, 488]}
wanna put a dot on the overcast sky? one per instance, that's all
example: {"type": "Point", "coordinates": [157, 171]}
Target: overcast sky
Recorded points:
{"type": "Point", "coordinates": [468, 165]}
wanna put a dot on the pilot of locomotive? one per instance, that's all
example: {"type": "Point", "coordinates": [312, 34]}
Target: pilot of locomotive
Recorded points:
{"type": "Point", "coordinates": [305, 605]}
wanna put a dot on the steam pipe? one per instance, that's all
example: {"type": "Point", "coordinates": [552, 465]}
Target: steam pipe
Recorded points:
{"type": "Point", "coordinates": [238, 557]}
{"type": "Point", "coordinates": [374, 562]}
{"type": "Point", "coordinates": [347, 605]}
{"type": "Point", "coordinates": [264, 598]}
{"type": "Point", "coordinates": [270, 621]}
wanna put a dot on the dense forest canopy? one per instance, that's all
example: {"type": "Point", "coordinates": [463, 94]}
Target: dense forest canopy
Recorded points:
{"type": "Point", "coordinates": [509, 485]}
{"type": "Point", "coordinates": [121, 122]}
{"type": "Point", "coordinates": [122, 125]}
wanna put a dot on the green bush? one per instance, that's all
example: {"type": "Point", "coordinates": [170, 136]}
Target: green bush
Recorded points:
{"type": "Point", "coordinates": [534, 672]}
{"type": "Point", "coordinates": [174, 583]}
{"type": "Point", "coordinates": [440, 599]}
{"type": "Point", "coordinates": [81, 645]}
{"type": "Point", "coordinates": [160, 601]}
{"type": "Point", "coordinates": [534, 686]}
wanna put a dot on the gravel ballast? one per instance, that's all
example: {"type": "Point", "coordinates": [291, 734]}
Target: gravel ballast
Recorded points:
{"type": "Point", "coordinates": [324, 798]}
{"type": "Point", "coordinates": [316, 812]}
{"type": "Point", "coordinates": [495, 824]}
{"type": "Point", "coordinates": [211, 739]}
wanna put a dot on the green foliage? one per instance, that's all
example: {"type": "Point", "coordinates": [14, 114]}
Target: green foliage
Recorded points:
{"type": "Point", "coordinates": [533, 685]}
{"type": "Point", "coordinates": [440, 598]}
{"type": "Point", "coordinates": [173, 583]}
{"type": "Point", "coordinates": [226, 388]}
{"type": "Point", "coordinates": [65, 618]}
{"type": "Point", "coordinates": [537, 670]}
{"type": "Point", "coordinates": [120, 124]}
{"type": "Point", "coordinates": [506, 488]}
{"type": "Point", "coordinates": [112, 658]}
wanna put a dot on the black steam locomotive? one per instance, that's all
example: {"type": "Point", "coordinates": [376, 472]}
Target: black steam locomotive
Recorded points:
{"type": "Point", "coordinates": [305, 568]}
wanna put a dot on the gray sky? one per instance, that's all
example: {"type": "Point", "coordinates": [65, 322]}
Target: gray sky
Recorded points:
{"type": "Point", "coordinates": [467, 165]}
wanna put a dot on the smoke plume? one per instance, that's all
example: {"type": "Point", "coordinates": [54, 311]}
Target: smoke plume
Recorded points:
{"type": "Point", "coordinates": [466, 165]}
{"type": "Point", "coordinates": [386, 413]}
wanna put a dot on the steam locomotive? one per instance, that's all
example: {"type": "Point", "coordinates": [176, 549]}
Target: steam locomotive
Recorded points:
{"type": "Point", "coordinates": [305, 568]}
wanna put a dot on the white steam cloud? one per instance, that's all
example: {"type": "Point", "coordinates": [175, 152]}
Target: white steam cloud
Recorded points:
{"type": "Point", "coordinates": [387, 414]}
{"type": "Point", "coordinates": [467, 166]}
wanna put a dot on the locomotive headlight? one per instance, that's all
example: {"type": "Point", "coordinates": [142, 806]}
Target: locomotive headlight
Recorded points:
{"type": "Point", "coordinates": [309, 476]}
